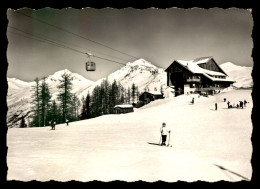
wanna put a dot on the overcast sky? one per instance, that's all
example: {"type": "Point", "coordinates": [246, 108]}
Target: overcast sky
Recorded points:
{"type": "Point", "coordinates": [157, 35]}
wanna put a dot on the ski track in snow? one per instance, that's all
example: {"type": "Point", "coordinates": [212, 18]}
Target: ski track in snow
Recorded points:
{"type": "Point", "coordinates": [115, 147]}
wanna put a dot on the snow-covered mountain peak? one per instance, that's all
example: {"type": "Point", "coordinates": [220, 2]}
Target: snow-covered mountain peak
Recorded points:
{"type": "Point", "coordinates": [140, 63]}
{"type": "Point", "coordinates": [230, 66]}
{"type": "Point", "coordinates": [58, 74]}
{"type": "Point", "coordinates": [140, 72]}
{"type": "Point", "coordinates": [75, 77]}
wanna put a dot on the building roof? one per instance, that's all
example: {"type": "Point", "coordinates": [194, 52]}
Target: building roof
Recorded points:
{"type": "Point", "coordinates": [192, 66]}
{"type": "Point", "coordinates": [124, 106]}
{"type": "Point", "coordinates": [153, 92]}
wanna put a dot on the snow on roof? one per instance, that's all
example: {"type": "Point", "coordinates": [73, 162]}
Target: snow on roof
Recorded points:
{"type": "Point", "coordinates": [192, 65]}
{"type": "Point", "coordinates": [210, 72]}
{"type": "Point", "coordinates": [123, 106]}
{"type": "Point", "coordinates": [202, 60]}
{"type": "Point", "coordinates": [219, 79]}
{"type": "Point", "coordinates": [154, 92]}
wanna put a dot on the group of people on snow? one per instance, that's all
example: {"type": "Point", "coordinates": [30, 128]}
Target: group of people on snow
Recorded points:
{"type": "Point", "coordinates": [53, 123]}
{"type": "Point", "coordinates": [241, 104]}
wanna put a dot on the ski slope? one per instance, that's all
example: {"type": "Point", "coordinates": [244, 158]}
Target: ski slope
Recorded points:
{"type": "Point", "coordinates": [115, 147]}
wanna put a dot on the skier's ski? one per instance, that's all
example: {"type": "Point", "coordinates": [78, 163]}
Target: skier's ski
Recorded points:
{"type": "Point", "coordinates": [159, 144]}
{"type": "Point", "coordinates": [154, 143]}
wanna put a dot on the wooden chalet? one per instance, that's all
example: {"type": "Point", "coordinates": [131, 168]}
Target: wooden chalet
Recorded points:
{"type": "Point", "coordinates": [147, 97]}
{"type": "Point", "coordinates": [123, 108]}
{"type": "Point", "coordinates": [201, 75]}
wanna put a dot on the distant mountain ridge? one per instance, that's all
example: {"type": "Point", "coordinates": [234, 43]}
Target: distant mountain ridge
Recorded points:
{"type": "Point", "coordinates": [142, 73]}
{"type": "Point", "coordinates": [20, 92]}
{"type": "Point", "coordinates": [241, 74]}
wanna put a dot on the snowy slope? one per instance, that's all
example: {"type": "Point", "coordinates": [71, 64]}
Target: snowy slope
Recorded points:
{"type": "Point", "coordinates": [116, 147]}
{"type": "Point", "coordinates": [241, 74]}
{"type": "Point", "coordinates": [18, 100]}
{"type": "Point", "coordinates": [20, 92]}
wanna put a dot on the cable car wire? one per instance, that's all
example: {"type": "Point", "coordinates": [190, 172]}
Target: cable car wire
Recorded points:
{"type": "Point", "coordinates": [59, 45]}
{"type": "Point", "coordinates": [64, 30]}
{"type": "Point", "coordinates": [67, 43]}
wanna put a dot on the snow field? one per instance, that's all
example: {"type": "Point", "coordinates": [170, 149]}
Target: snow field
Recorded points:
{"type": "Point", "coordinates": [115, 147]}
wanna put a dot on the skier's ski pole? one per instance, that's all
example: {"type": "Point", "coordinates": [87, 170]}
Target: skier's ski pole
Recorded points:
{"type": "Point", "coordinates": [160, 139]}
{"type": "Point", "coordinates": [169, 138]}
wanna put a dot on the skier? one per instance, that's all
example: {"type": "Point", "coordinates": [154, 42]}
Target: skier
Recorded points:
{"type": "Point", "coordinates": [216, 106]}
{"type": "Point", "coordinates": [224, 99]}
{"type": "Point", "coordinates": [67, 121]}
{"type": "Point", "coordinates": [164, 132]}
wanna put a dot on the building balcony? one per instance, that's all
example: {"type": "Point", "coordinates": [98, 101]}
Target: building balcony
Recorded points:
{"type": "Point", "coordinates": [193, 80]}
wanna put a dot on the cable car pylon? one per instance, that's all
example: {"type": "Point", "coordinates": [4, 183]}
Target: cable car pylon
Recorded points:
{"type": "Point", "coordinates": [90, 66]}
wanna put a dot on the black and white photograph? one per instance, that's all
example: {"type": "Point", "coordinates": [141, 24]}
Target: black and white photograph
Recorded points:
{"type": "Point", "coordinates": [129, 94]}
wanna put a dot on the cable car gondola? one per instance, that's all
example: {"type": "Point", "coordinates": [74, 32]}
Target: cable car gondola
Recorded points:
{"type": "Point", "coordinates": [90, 66]}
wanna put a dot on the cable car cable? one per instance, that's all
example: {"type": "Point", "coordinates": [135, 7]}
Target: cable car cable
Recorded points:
{"type": "Point", "coordinates": [62, 46]}
{"type": "Point", "coordinates": [65, 43]}
{"type": "Point", "coordinates": [39, 20]}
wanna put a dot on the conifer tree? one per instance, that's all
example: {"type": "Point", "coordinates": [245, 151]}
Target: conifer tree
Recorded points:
{"type": "Point", "coordinates": [128, 95]}
{"type": "Point", "coordinates": [73, 109]}
{"type": "Point", "coordinates": [88, 106]}
{"type": "Point", "coordinates": [36, 104]}
{"type": "Point", "coordinates": [121, 94]}
{"type": "Point", "coordinates": [44, 101]}
{"type": "Point", "coordinates": [133, 92]}
{"type": "Point", "coordinates": [137, 93]}
{"type": "Point", "coordinates": [65, 95]}
{"type": "Point", "coordinates": [96, 105]}
{"type": "Point", "coordinates": [53, 113]}
{"type": "Point", "coordinates": [112, 96]}
{"type": "Point", "coordinates": [83, 114]}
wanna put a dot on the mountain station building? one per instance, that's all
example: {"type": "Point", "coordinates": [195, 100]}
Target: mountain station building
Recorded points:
{"type": "Point", "coordinates": [123, 108]}
{"type": "Point", "coordinates": [201, 75]}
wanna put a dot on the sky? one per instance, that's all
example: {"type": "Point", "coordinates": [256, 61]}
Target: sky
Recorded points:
{"type": "Point", "coordinates": [159, 36]}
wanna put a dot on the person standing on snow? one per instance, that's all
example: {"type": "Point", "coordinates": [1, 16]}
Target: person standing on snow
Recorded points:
{"type": "Point", "coordinates": [228, 104]}
{"type": "Point", "coordinates": [67, 121]}
{"type": "Point", "coordinates": [245, 103]}
{"type": "Point", "coordinates": [216, 106]}
{"type": "Point", "coordinates": [192, 100]}
{"type": "Point", "coordinates": [241, 104]}
{"type": "Point", "coordinates": [53, 125]}
{"type": "Point", "coordinates": [164, 132]}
